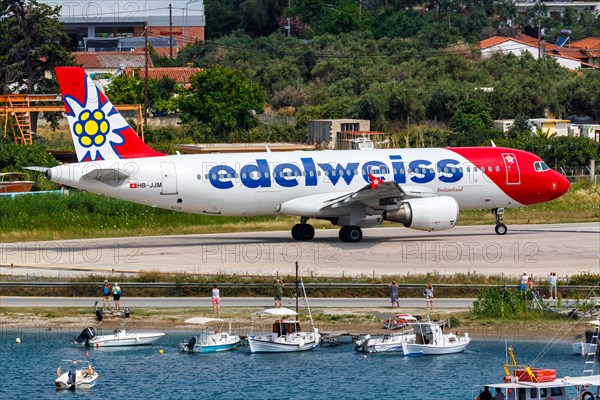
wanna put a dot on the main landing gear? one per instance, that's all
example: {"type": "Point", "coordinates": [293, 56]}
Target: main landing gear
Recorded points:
{"type": "Point", "coordinates": [501, 229]}
{"type": "Point", "coordinates": [350, 234]}
{"type": "Point", "coordinates": [303, 231]}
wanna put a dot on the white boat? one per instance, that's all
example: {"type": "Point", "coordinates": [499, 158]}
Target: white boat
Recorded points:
{"type": "Point", "coordinates": [286, 335]}
{"type": "Point", "coordinates": [383, 343]}
{"type": "Point", "coordinates": [74, 374]}
{"type": "Point", "coordinates": [524, 383]}
{"type": "Point", "coordinates": [120, 337]}
{"type": "Point", "coordinates": [590, 345]}
{"type": "Point", "coordinates": [211, 338]}
{"type": "Point", "coordinates": [430, 339]}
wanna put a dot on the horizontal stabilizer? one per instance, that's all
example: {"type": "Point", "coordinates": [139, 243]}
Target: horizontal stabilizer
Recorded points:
{"type": "Point", "coordinates": [107, 175]}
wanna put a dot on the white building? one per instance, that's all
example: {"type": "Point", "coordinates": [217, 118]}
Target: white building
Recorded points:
{"type": "Point", "coordinates": [98, 19]}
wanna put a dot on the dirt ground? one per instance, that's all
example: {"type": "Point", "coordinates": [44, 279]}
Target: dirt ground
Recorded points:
{"type": "Point", "coordinates": [243, 322]}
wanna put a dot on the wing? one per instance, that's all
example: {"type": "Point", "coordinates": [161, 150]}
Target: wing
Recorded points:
{"type": "Point", "coordinates": [385, 194]}
{"type": "Point", "coordinates": [374, 200]}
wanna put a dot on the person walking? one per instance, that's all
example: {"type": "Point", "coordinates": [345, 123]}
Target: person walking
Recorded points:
{"type": "Point", "coordinates": [428, 293]}
{"type": "Point", "coordinates": [106, 293]}
{"type": "Point", "coordinates": [117, 296]}
{"type": "Point", "coordinates": [394, 294]}
{"type": "Point", "coordinates": [278, 289]}
{"type": "Point", "coordinates": [552, 281]}
{"type": "Point", "coordinates": [216, 299]}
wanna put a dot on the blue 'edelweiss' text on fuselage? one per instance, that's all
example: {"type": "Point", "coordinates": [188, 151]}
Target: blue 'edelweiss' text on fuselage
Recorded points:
{"type": "Point", "coordinates": [258, 174]}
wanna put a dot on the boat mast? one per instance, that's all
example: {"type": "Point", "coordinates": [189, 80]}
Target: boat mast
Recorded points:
{"type": "Point", "coordinates": [297, 290]}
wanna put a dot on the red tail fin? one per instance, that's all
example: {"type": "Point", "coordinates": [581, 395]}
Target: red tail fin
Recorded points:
{"type": "Point", "coordinates": [99, 132]}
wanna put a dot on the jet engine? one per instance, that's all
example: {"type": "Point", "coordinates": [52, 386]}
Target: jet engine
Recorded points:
{"type": "Point", "coordinates": [426, 214]}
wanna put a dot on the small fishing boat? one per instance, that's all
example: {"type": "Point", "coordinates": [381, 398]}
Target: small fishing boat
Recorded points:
{"type": "Point", "coordinates": [286, 335]}
{"type": "Point", "coordinates": [398, 321]}
{"type": "Point", "coordinates": [430, 339]}
{"type": "Point", "coordinates": [211, 339]}
{"type": "Point", "coordinates": [119, 337]}
{"type": "Point", "coordinates": [383, 343]}
{"type": "Point", "coordinates": [525, 383]}
{"type": "Point", "coordinates": [74, 374]}
{"type": "Point", "coordinates": [14, 182]}
{"type": "Point", "coordinates": [590, 345]}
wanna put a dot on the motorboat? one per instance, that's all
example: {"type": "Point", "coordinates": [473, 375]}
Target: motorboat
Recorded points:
{"type": "Point", "coordinates": [430, 339]}
{"type": "Point", "coordinates": [590, 345]}
{"type": "Point", "coordinates": [398, 321]}
{"type": "Point", "coordinates": [119, 337]}
{"type": "Point", "coordinates": [14, 182]}
{"type": "Point", "coordinates": [383, 343]}
{"type": "Point", "coordinates": [211, 338]}
{"type": "Point", "coordinates": [286, 335]}
{"type": "Point", "coordinates": [525, 383]}
{"type": "Point", "coordinates": [75, 375]}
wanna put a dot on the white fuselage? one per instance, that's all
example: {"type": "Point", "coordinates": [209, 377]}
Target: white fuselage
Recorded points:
{"type": "Point", "coordinates": [258, 183]}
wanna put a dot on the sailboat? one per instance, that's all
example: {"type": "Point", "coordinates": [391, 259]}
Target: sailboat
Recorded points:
{"type": "Point", "coordinates": [286, 335]}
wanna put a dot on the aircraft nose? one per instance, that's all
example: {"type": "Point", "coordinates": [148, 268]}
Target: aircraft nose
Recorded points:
{"type": "Point", "coordinates": [560, 185]}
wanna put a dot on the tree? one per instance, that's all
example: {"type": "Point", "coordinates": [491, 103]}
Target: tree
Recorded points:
{"type": "Point", "coordinates": [32, 42]}
{"type": "Point", "coordinates": [130, 90]}
{"type": "Point", "coordinates": [224, 99]}
{"type": "Point", "coordinates": [472, 122]}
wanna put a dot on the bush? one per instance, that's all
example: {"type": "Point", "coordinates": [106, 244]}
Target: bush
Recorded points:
{"type": "Point", "coordinates": [499, 302]}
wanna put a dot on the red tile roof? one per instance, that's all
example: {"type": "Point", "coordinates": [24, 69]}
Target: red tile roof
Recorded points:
{"type": "Point", "coordinates": [587, 43]}
{"type": "Point", "coordinates": [181, 75]}
{"type": "Point", "coordinates": [110, 59]}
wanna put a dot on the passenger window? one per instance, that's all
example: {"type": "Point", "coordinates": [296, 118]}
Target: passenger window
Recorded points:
{"type": "Point", "coordinates": [497, 168]}
{"type": "Point", "coordinates": [489, 168]}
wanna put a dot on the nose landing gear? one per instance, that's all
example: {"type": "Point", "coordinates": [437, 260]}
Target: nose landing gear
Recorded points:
{"type": "Point", "coordinates": [500, 229]}
{"type": "Point", "coordinates": [303, 231]}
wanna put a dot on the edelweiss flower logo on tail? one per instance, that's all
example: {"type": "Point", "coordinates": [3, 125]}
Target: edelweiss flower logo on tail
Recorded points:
{"type": "Point", "coordinates": [95, 125]}
{"type": "Point", "coordinates": [99, 132]}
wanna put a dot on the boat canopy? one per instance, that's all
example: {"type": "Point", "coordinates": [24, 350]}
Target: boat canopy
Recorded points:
{"type": "Point", "coordinates": [278, 312]}
{"type": "Point", "coordinates": [593, 380]}
{"type": "Point", "coordinates": [202, 320]}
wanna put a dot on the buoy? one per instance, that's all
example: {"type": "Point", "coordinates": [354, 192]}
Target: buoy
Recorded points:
{"type": "Point", "coordinates": [18, 340]}
{"type": "Point", "coordinates": [365, 356]}
{"type": "Point", "coordinates": [161, 351]}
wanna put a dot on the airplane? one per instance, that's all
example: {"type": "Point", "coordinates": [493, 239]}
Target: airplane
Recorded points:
{"type": "Point", "coordinates": [422, 189]}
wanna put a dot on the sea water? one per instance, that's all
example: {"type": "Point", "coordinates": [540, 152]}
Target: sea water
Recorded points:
{"type": "Point", "coordinates": [28, 370]}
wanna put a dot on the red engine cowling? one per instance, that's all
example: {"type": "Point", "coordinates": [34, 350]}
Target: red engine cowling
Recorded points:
{"type": "Point", "coordinates": [426, 214]}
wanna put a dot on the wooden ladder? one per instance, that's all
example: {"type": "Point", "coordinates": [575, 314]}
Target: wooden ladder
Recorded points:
{"type": "Point", "coordinates": [20, 122]}
{"type": "Point", "coordinates": [590, 357]}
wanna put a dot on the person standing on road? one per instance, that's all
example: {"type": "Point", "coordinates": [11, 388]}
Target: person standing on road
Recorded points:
{"type": "Point", "coordinates": [278, 289]}
{"type": "Point", "coordinates": [106, 293]}
{"type": "Point", "coordinates": [394, 294]}
{"type": "Point", "coordinates": [552, 281]}
{"type": "Point", "coordinates": [216, 299]}
{"type": "Point", "coordinates": [428, 293]}
{"type": "Point", "coordinates": [117, 296]}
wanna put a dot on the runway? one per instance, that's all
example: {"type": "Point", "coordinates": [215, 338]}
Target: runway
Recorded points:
{"type": "Point", "coordinates": [566, 249]}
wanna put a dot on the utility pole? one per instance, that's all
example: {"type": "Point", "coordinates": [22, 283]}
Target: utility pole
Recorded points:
{"type": "Point", "coordinates": [146, 71]}
{"type": "Point", "coordinates": [539, 39]}
{"type": "Point", "coordinates": [170, 32]}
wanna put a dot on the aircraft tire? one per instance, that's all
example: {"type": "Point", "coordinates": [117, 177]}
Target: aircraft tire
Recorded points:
{"type": "Point", "coordinates": [351, 234]}
{"type": "Point", "coordinates": [501, 229]}
{"type": "Point", "coordinates": [303, 232]}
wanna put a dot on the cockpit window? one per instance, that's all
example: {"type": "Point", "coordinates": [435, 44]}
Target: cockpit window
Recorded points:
{"type": "Point", "coordinates": [540, 166]}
